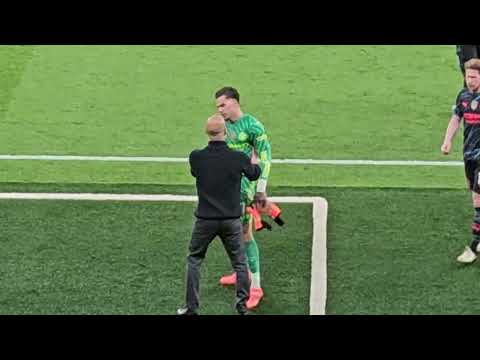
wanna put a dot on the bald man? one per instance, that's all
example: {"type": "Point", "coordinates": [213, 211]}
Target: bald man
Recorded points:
{"type": "Point", "coordinates": [218, 171]}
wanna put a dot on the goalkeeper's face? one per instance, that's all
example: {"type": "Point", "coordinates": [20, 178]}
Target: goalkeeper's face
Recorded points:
{"type": "Point", "coordinates": [228, 108]}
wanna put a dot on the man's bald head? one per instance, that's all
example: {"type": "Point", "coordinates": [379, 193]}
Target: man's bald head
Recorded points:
{"type": "Point", "coordinates": [215, 127]}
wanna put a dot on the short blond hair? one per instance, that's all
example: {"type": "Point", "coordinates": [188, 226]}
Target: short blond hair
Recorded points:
{"type": "Point", "coordinates": [473, 64]}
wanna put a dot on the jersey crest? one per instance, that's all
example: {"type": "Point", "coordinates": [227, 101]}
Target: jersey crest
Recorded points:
{"type": "Point", "coordinates": [242, 136]}
{"type": "Point", "coordinates": [474, 105]}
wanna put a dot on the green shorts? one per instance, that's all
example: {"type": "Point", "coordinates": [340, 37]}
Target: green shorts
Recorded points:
{"type": "Point", "coordinates": [247, 194]}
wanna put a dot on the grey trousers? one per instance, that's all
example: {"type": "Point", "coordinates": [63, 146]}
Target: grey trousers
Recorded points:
{"type": "Point", "coordinates": [230, 232]}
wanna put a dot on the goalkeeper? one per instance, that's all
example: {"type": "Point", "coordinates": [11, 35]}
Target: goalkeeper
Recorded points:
{"type": "Point", "coordinates": [245, 133]}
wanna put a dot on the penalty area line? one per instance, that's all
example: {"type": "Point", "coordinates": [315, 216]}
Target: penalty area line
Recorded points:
{"type": "Point", "coordinates": [318, 283]}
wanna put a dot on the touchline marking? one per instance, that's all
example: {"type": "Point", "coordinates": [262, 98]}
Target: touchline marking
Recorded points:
{"type": "Point", "coordinates": [318, 284]}
{"type": "Point", "coordinates": [154, 159]}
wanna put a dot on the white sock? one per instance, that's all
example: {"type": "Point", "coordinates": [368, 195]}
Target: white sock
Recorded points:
{"type": "Point", "coordinates": [255, 280]}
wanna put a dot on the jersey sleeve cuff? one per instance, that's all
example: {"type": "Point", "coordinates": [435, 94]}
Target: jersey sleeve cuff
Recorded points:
{"type": "Point", "coordinates": [262, 186]}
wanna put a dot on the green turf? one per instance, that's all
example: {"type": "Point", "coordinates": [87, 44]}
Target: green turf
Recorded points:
{"type": "Point", "coordinates": [394, 232]}
{"type": "Point", "coordinates": [322, 102]}
{"type": "Point", "coordinates": [27, 171]}
{"type": "Point", "coordinates": [330, 102]}
{"type": "Point", "coordinates": [62, 257]}
{"type": "Point", "coordinates": [13, 61]}
{"type": "Point", "coordinates": [390, 251]}
{"type": "Point", "coordinates": [393, 252]}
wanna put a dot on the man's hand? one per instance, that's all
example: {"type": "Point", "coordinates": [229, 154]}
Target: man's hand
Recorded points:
{"type": "Point", "coordinates": [260, 201]}
{"type": "Point", "coordinates": [452, 129]}
{"type": "Point", "coordinates": [446, 147]}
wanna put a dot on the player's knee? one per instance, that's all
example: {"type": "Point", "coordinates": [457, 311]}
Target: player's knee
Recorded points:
{"type": "Point", "coordinates": [476, 195]}
{"type": "Point", "coordinates": [195, 260]}
{"type": "Point", "coordinates": [247, 236]}
{"type": "Point", "coordinates": [247, 231]}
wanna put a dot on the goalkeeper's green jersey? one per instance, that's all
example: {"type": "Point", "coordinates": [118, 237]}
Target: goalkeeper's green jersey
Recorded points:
{"type": "Point", "coordinates": [248, 134]}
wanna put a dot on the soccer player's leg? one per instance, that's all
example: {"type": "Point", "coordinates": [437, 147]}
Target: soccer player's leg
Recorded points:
{"type": "Point", "coordinates": [471, 252]}
{"type": "Point", "coordinates": [253, 257]}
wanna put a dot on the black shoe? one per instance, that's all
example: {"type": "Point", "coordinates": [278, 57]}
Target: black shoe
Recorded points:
{"type": "Point", "coordinates": [186, 311]}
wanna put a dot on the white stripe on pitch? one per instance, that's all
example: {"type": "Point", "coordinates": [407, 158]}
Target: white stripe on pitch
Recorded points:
{"type": "Point", "coordinates": [318, 281]}
{"type": "Point", "coordinates": [275, 161]}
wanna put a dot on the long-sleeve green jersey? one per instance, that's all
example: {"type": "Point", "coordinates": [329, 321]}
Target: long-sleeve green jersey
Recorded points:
{"type": "Point", "coordinates": [248, 134]}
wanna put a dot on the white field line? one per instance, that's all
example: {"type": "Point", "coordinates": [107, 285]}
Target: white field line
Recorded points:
{"type": "Point", "coordinates": [318, 286]}
{"type": "Point", "coordinates": [275, 161]}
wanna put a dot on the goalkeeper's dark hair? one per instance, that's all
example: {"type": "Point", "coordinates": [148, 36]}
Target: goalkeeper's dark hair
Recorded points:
{"type": "Point", "coordinates": [229, 92]}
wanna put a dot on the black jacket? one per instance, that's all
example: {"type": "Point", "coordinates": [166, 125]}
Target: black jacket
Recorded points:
{"type": "Point", "coordinates": [218, 171]}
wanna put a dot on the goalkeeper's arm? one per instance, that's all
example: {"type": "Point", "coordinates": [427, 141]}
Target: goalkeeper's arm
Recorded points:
{"type": "Point", "coordinates": [262, 148]}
